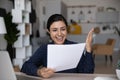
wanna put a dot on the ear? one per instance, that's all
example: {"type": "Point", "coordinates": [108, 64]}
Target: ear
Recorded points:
{"type": "Point", "coordinates": [47, 31]}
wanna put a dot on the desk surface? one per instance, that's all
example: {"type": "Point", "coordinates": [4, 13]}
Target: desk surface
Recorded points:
{"type": "Point", "coordinates": [69, 76]}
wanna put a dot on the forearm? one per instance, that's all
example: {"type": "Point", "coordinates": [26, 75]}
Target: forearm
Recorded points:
{"type": "Point", "coordinates": [89, 63]}
{"type": "Point", "coordinates": [86, 64]}
{"type": "Point", "coordinates": [88, 49]}
{"type": "Point", "coordinates": [29, 69]}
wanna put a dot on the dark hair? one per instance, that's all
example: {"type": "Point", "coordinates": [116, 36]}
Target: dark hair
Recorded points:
{"type": "Point", "coordinates": [54, 18]}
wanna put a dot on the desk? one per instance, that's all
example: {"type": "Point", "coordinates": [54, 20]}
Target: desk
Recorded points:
{"type": "Point", "coordinates": [70, 76]}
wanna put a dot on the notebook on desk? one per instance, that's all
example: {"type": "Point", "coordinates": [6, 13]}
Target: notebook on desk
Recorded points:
{"type": "Point", "coordinates": [7, 71]}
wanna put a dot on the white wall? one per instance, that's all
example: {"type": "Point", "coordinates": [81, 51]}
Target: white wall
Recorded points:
{"type": "Point", "coordinates": [91, 17]}
{"type": "Point", "coordinates": [46, 8]}
{"type": "Point", "coordinates": [36, 4]}
{"type": "Point", "coordinates": [105, 3]}
{"type": "Point", "coordinates": [86, 27]}
{"type": "Point", "coordinates": [98, 3]}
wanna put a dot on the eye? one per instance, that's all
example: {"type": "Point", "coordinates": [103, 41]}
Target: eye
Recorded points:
{"type": "Point", "coordinates": [63, 29]}
{"type": "Point", "coordinates": [54, 30]}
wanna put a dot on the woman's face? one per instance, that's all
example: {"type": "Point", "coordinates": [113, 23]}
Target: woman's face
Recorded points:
{"type": "Point", "coordinates": [58, 32]}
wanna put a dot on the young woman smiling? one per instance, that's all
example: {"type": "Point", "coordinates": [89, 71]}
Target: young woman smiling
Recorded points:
{"type": "Point", "coordinates": [57, 29]}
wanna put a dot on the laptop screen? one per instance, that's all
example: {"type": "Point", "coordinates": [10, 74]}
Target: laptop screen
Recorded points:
{"type": "Point", "coordinates": [6, 68]}
{"type": "Point", "coordinates": [7, 71]}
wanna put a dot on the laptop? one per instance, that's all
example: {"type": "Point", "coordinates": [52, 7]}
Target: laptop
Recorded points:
{"type": "Point", "coordinates": [7, 71]}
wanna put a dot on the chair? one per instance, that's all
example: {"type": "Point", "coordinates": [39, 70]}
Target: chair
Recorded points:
{"type": "Point", "coordinates": [104, 49]}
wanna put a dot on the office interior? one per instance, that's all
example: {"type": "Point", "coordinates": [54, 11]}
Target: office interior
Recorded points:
{"type": "Point", "coordinates": [103, 14]}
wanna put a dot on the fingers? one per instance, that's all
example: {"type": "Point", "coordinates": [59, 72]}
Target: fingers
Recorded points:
{"type": "Point", "coordinates": [89, 37]}
{"type": "Point", "coordinates": [90, 32]}
{"type": "Point", "coordinates": [89, 40]}
{"type": "Point", "coordinates": [45, 72]}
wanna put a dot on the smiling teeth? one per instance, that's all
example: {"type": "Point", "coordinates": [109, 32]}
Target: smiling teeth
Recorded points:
{"type": "Point", "coordinates": [59, 38]}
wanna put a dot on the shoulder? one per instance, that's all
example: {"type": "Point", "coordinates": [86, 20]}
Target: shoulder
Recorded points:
{"type": "Point", "coordinates": [44, 46]}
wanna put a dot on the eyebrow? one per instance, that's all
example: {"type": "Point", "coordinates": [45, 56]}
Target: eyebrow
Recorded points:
{"type": "Point", "coordinates": [60, 27]}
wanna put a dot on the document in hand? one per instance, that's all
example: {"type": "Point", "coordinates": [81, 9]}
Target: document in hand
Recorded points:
{"type": "Point", "coordinates": [62, 57]}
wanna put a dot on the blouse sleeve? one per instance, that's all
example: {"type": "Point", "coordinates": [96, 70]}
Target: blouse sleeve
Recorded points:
{"type": "Point", "coordinates": [31, 66]}
{"type": "Point", "coordinates": [86, 64]}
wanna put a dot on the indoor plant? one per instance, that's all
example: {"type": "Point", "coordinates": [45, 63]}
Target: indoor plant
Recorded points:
{"type": "Point", "coordinates": [118, 69]}
{"type": "Point", "coordinates": [12, 34]}
{"type": "Point", "coordinates": [118, 64]}
{"type": "Point", "coordinates": [117, 30]}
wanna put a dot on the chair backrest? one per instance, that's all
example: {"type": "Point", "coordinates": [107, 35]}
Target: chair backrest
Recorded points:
{"type": "Point", "coordinates": [110, 41]}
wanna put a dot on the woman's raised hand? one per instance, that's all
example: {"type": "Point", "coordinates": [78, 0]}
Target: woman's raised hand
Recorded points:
{"type": "Point", "coordinates": [89, 40]}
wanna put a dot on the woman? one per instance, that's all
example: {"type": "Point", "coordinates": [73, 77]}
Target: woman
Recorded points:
{"type": "Point", "coordinates": [57, 29]}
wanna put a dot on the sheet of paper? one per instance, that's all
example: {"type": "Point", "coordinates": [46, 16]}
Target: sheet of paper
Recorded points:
{"type": "Point", "coordinates": [62, 57]}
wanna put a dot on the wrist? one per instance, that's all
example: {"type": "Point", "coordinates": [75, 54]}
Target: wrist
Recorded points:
{"type": "Point", "coordinates": [38, 72]}
{"type": "Point", "coordinates": [88, 50]}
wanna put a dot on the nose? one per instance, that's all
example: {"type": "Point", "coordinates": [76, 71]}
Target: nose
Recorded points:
{"type": "Point", "coordinates": [59, 32]}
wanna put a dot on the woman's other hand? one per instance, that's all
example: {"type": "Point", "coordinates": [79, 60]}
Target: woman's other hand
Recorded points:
{"type": "Point", "coordinates": [89, 40]}
{"type": "Point", "coordinates": [45, 72]}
